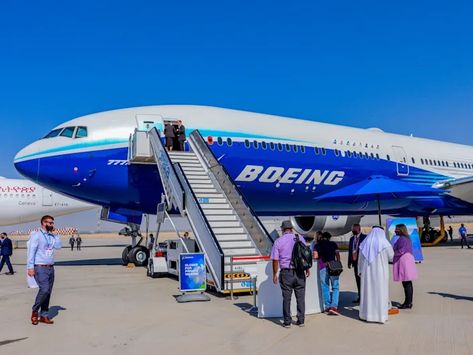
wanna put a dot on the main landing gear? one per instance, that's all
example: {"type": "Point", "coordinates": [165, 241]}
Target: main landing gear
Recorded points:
{"type": "Point", "coordinates": [134, 253]}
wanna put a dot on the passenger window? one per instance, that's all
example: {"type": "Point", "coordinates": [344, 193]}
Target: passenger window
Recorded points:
{"type": "Point", "coordinates": [366, 155]}
{"type": "Point", "coordinates": [255, 144]}
{"type": "Point", "coordinates": [288, 147]}
{"type": "Point", "coordinates": [316, 150]}
{"type": "Point", "coordinates": [377, 156]}
{"type": "Point", "coordinates": [360, 154]}
{"type": "Point", "coordinates": [348, 154]}
{"type": "Point", "coordinates": [68, 132]}
{"type": "Point", "coordinates": [323, 151]}
{"type": "Point", "coordinates": [435, 163]}
{"type": "Point", "coordinates": [81, 132]}
{"type": "Point", "coordinates": [447, 164]}
{"type": "Point", "coordinates": [229, 142]}
{"type": "Point", "coordinates": [247, 143]}
{"type": "Point", "coordinates": [294, 148]}
{"type": "Point", "coordinates": [280, 147]}
{"type": "Point", "coordinates": [388, 157]}
{"type": "Point", "coordinates": [336, 152]}
{"type": "Point", "coordinates": [422, 161]}
{"type": "Point", "coordinates": [430, 162]}
{"type": "Point", "coordinates": [53, 133]}
{"type": "Point", "coordinates": [219, 140]}
{"type": "Point", "coordinates": [413, 160]}
{"type": "Point", "coordinates": [271, 145]}
{"type": "Point", "coordinates": [372, 156]}
{"type": "Point", "coordinates": [263, 145]}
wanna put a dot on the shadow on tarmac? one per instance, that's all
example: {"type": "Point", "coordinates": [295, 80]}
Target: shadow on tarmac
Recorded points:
{"type": "Point", "coordinates": [54, 311]}
{"type": "Point", "coordinates": [90, 262]}
{"type": "Point", "coordinates": [455, 297]}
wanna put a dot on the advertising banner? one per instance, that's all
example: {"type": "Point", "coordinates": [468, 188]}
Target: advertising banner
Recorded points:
{"type": "Point", "coordinates": [411, 225]}
{"type": "Point", "coordinates": [192, 275]}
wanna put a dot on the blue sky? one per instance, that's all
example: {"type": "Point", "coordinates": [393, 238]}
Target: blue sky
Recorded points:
{"type": "Point", "coordinates": [405, 67]}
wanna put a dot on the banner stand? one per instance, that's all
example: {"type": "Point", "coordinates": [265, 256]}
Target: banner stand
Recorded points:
{"type": "Point", "coordinates": [192, 278]}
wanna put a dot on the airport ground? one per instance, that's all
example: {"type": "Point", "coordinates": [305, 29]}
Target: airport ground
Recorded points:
{"type": "Point", "coordinates": [101, 307]}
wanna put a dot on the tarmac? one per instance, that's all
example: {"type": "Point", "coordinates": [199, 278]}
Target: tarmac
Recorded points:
{"type": "Point", "coordinates": [101, 307]}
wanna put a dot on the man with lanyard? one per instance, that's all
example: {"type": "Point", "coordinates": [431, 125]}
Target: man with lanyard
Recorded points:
{"type": "Point", "coordinates": [463, 236]}
{"type": "Point", "coordinates": [289, 279]}
{"type": "Point", "coordinates": [40, 265]}
{"type": "Point", "coordinates": [353, 250]}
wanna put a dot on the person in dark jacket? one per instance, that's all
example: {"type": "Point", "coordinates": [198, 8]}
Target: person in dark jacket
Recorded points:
{"type": "Point", "coordinates": [181, 135]}
{"type": "Point", "coordinates": [353, 251]}
{"type": "Point", "coordinates": [6, 252]}
{"type": "Point", "coordinates": [78, 242]}
{"type": "Point", "coordinates": [169, 134]}
{"type": "Point", "coordinates": [72, 241]}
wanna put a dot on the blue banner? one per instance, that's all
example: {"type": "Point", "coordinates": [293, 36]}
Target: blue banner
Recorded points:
{"type": "Point", "coordinates": [192, 274]}
{"type": "Point", "coordinates": [411, 225]}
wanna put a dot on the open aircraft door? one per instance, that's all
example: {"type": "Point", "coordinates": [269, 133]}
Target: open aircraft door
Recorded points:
{"type": "Point", "coordinates": [47, 197]}
{"type": "Point", "coordinates": [400, 157]}
{"type": "Point", "coordinates": [145, 122]}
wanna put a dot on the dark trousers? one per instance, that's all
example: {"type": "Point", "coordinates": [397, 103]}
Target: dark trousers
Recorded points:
{"type": "Point", "coordinates": [357, 278]}
{"type": "Point", "coordinates": [72, 247]}
{"type": "Point", "coordinates": [6, 260]}
{"type": "Point", "coordinates": [289, 280]}
{"type": "Point", "coordinates": [44, 277]}
{"type": "Point", "coordinates": [181, 145]}
{"type": "Point", "coordinates": [78, 246]}
{"type": "Point", "coordinates": [408, 291]}
{"type": "Point", "coordinates": [464, 240]}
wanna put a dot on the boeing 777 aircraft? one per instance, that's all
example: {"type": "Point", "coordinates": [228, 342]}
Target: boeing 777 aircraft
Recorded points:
{"type": "Point", "coordinates": [279, 164]}
{"type": "Point", "coordinates": [22, 201]}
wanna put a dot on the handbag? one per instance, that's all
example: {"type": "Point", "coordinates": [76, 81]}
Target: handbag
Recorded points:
{"type": "Point", "coordinates": [335, 268]}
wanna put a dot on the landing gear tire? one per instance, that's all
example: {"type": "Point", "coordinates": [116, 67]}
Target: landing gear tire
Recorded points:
{"type": "Point", "coordinates": [139, 255]}
{"type": "Point", "coordinates": [126, 251]}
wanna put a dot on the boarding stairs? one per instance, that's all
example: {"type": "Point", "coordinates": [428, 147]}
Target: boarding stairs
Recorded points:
{"type": "Point", "coordinates": [223, 223]}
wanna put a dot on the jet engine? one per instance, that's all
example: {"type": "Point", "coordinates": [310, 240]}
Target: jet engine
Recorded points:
{"type": "Point", "coordinates": [336, 225]}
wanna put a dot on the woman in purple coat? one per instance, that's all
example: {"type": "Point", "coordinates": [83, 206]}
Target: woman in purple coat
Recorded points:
{"type": "Point", "coordinates": [404, 264]}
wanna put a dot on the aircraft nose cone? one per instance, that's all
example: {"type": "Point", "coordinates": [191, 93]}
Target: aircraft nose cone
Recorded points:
{"type": "Point", "coordinates": [27, 165]}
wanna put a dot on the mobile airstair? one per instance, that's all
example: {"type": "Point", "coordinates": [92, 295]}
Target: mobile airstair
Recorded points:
{"type": "Point", "coordinates": [223, 223]}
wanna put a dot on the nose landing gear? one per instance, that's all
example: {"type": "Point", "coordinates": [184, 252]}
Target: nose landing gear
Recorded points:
{"type": "Point", "coordinates": [134, 253]}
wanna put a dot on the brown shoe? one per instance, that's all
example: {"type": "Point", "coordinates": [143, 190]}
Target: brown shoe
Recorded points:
{"type": "Point", "coordinates": [46, 320]}
{"type": "Point", "coordinates": [34, 318]}
{"type": "Point", "coordinates": [393, 310]}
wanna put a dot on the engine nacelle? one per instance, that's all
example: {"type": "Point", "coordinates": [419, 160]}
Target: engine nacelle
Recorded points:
{"type": "Point", "coordinates": [336, 225]}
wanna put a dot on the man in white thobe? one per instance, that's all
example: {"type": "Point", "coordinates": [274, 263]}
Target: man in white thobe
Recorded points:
{"type": "Point", "coordinates": [373, 267]}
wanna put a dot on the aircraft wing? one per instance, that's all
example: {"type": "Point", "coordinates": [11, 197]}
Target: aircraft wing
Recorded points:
{"type": "Point", "coordinates": [461, 188]}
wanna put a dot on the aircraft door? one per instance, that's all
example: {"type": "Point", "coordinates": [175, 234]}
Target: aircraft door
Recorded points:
{"type": "Point", "coordinates": [145, 122]}
{"type": "Point", "coordinates": [400, 157]}
{"type": "Point", "coordinates": [47, 197]}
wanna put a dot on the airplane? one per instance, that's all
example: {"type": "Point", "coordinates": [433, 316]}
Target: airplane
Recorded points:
{"type": "Point", "coordinates": [23, 201]}
{"type": "Point", "coordinates": [280, 164]}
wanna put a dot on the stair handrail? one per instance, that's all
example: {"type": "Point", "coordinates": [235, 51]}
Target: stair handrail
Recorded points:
{"type": "Point", "coordinates": [165, 167]}
{"type": "Point", "coordinates": [263, 241]}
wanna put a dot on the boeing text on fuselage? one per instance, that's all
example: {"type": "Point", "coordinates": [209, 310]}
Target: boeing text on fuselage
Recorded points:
{"type": "Point", "coordinates": [277, 174]}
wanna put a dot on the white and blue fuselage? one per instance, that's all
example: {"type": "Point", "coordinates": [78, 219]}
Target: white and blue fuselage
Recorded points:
{"type": "Point", "coordinates": [280, 164]}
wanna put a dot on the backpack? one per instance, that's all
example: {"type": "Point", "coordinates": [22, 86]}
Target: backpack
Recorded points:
{"type": "Point", "coordinates": [301, 256]}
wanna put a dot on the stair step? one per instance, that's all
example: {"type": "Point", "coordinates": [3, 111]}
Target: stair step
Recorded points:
{"type": "Point", "coordinates": [216, 195]}
{"type": "Point", "coordinates": [176, 153]}
{"type": "Point", "coordinates": [204, 200]}
{"type": "Point", "coordinates": [202, 178]}
{"type": "Point", "coordinates": [240, 252]}
{"type": "Point", "coordinates": [211, 206]}
{"type": "Point", "coordinates": [202, 186]}
{"type": "Point", "coordinates": [200, 190]}
{"type": "Point", "coordinates": [234, 237]}
{"type": "Point", "coordinates": [235, 244]}
{"type": "Point", "coordinates": [224, 224]}
{"type": "Point", "coordinates": [193, 169]}
{"type": "Point", "coordinates": [218, 212]}
{"type": "Point", "coordinates": [233, 230]}
{"type": "Point", "coordinates": [222, 218]}
{"type": "Point", "coordinates": [189, 164]}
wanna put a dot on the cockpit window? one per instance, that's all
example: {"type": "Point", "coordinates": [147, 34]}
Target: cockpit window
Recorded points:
{"type": "Point", "coordinates": [67, 132]}
{"type": "Point", "coordinates": [53, 133]}
{"type": "Point", "coordinates": [81, 132]}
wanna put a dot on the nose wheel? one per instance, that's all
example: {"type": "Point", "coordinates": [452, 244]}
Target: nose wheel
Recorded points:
{"type": "Point", "coordinates": [135, 253]}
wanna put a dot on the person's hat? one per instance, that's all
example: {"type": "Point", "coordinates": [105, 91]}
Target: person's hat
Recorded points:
{"type": "Point", "coordinates": [286, 225]}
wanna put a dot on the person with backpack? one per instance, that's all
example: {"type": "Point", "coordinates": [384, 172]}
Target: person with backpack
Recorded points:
{"type": "Point", "coordinates": [293, 259]}
{"type": "Point", "coordinates": [328, 255]}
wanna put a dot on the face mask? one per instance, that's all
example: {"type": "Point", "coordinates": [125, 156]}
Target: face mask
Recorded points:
{"type": "Point", "coordinates": [49, 228]}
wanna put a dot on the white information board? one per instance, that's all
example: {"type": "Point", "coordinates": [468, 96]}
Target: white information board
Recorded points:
{"type": "Point", "coordinates": [270, 296]}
